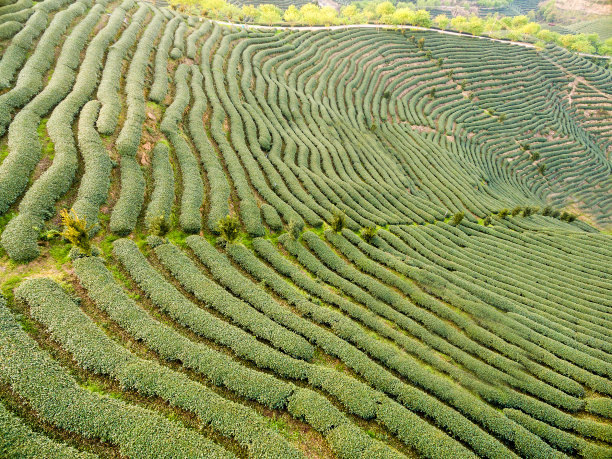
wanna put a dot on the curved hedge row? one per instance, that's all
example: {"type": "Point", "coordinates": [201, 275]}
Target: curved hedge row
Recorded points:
{"type": "Point", "coordinates": [95, 182]}
{"type": "Point", "coordinates": [18, 440]}
{"type": "Point", "coordinates": [219, 194]}
{"type": "Point", "coordinates": [238, 311]}
{"type": "Point", "coordinates": [192, 198]}
{"type": "Point", "coordinates": [159, 88]}
{"type": "Point", "coordinates": [353, 395]}
{"type": "Point", "coordinates": [24, 147]}
{"type": "Point", "coordinates": [20, 239]}
{"type": "Point", "coordinates": [30, 79]}
{"type": "Point", "coordinates": [59, 400]}
{"type": "Point", "coordinates": [162, 197]}
{"type": "Point", "coordinates": [93, 350]}
{"type": "Point", "coordinates": [108, 91]}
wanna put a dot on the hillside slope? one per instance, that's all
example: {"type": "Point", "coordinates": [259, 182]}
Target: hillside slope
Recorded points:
{"type": "Point", "coordinates": [357, 314]}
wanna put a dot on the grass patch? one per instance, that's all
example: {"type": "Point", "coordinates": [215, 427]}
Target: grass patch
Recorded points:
{"type": "Point", "coordinates": [48, 149]}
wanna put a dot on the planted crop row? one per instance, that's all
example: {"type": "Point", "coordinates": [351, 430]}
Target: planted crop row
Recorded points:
{"type": "Point", "coordinates": [95, 351]}
{"type": "Point", "coordinates": [21, 235]}
{"type": "Point", "coordinates": [59, 400]}
{"type": "Point", "coordinates": [190, 218]}
{"type": "Point", "coordinates": [128, 207]}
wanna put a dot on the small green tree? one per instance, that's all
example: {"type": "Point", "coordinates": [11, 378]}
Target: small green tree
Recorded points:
{"type": "Point", "coordinates": [294, 229]}
{"type": "Point", "coordinates": [535, 156]}
{"type": "Point", "coordinates": [516, 211]}
{"type": "Point", "coordinates": [542, 169]}
{"type": "Point", "coordinates": [432, 93]}
{"type": "Point", "coordinates": [421, 43]}
{"type": "Point", "coordinates": [487, 221]}
{"type": "Point", "coordinates": [527, 211]}
{"type": "Point", "coordinates": [502, 118]}
{"type": "Point", "coordinates": [457, 218]}
{"type": "Point", "coordinates": [229, 228]}
{"type": "Point", "coordinates": [159, 226]}
{"type": "Point", "coordinates": [368, 233]}
{"type": "Point", "coordinates": [76, 231]}
{"type": "Point", "coordinates": [503, 213]}
{"type": "Point", "coordinates": [338, 221]}
{"type": "Point", "coordinates": [547, 211]}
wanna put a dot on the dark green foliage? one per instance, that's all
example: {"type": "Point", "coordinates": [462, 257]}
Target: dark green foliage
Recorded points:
{"type": "Point", "coordinates": [517, 210]}
{"type": "Point", "coordinates": [368, 233]}
{"type": "Point", "coordinates": [294, 229]}
{"type": "Point", "coordinates": [338, 221]}
{"type": "Point", "coordinates": [457, 218]}
{"type": "Point", "coordinates": [159, 226]}
{"type": "Point", "coordinates": [503, 213]}
{"type": "Point", "coordinates": [567, 217]}
{"type": "Point", "coordinates": [229, 228]}
{"type": "Point", "coordinates": [487, 221]}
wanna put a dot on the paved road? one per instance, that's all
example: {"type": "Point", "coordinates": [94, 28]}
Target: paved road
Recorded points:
{"type": "Point", "coordinates": [392, 27]}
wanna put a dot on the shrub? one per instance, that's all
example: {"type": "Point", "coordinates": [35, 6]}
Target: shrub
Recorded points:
{"type": "Point", "coordinates": [517, 210]}
{"type": "Point", "coordinates": [567, 217]}
{"type": "Point", "coordinates": [294, 229]}
{"type": "Point", "coordinates": [229, 228]}
{"type": "Point", "coordinates": [76, 231]}
{"type": "Point", "coordinates": [547, 211]}
{"type": "Point", "coordinates": [527, 211]}
{"type": "Point", "coordinates": [487, 221]}
{"type": "Point", "coordinates": [368, 233]}
{"type": "Point", "coordinates": [503, 213]}
{"type": "Point", "coordinates": [457, 218]}
{"type": "Point", "coordinates": [542, 169]}
{"type": "Point", "coordinates": [338, 221]}
{"type": "Point", "coordinates": [159, 226]}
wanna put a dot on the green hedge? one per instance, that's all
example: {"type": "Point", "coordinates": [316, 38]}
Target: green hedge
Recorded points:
{"type": "Point", "coordinates": [192, 197]}
{"type": "Point", "coordinates": [59, 400]}
{"type": "Point", "coordinates": [95, 182]}
{"type": "Point", "coordinates": [249, 383]}
{"type": "Point", "coordinates": [238, 311]}
{"type": "Point", "coordinates": [18, 440]}
{"type": "Point", "coordinates": [108, 90]}
{"type": "Point", "coordinates": [162, 197]}
{"type": "Point", "coordinates": [95, 351]}
{"type": "Point", "coordinates": [38, 204]}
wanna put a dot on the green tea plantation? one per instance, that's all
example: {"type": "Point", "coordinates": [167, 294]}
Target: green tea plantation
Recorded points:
{"type": "Point", "coordinates": [236, 241]}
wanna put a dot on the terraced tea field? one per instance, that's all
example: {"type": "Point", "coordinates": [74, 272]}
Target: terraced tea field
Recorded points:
{"type": "Point", "coordinates": [356, 314]}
